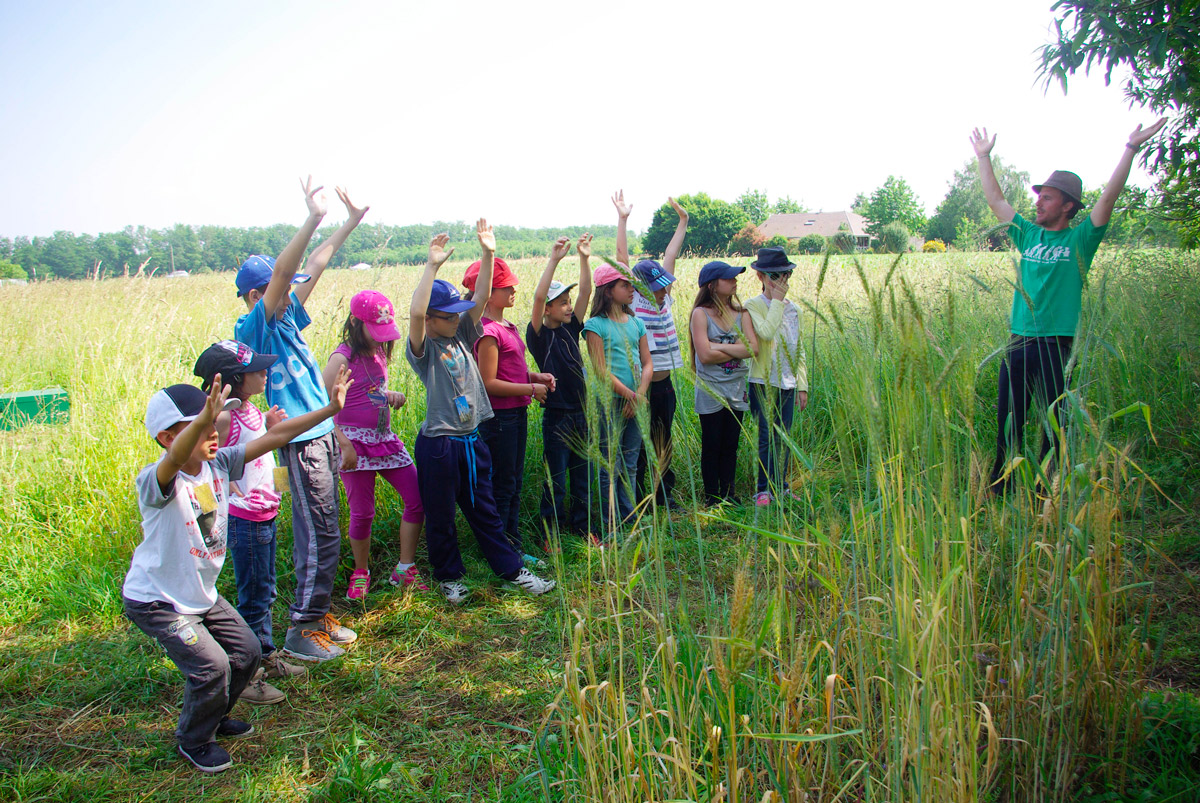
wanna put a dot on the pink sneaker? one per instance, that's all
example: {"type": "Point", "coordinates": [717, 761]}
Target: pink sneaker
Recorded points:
{"type": "Point", "coordinates": [762, 499]}
{"type": "Point", "coordinates": [409, 577]}
{"type": "Point", "coordinates": [360, 584]}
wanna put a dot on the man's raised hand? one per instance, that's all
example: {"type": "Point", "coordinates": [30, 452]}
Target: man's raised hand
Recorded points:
{"type": "Point", "coordinates": [315, 203]}
{"type": "Point", "coordinates": [982, 145]}
{"type": "Point", "coordinates": [1139, 136]}
{"type": "Point", "coordinates": [487, 237]}
{"type": "Point", "coordinates": [437, 250]}
{"type": "Point", "coordinates": [584, 246]}
{"type": "Point", "coordinates": [618, 200]}
{"type": "Point", "coordinates": [352, 211]}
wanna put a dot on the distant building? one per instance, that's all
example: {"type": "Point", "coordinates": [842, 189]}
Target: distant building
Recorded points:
{"type": "Point", "coordinates": [177, 274]}
{"type": "Point", "coordinates": [796, 225]}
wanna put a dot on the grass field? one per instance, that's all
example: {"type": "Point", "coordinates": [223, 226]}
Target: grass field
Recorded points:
{"type": "Point", "coordinates": [894, 635]}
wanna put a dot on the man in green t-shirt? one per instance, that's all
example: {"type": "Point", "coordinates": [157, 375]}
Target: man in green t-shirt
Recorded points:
{"type": "Point", "coordinates": [1055, 258]}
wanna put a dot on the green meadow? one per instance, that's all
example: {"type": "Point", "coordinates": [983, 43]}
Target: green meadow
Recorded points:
{"type": "Point", "coordinates": [894, 634]}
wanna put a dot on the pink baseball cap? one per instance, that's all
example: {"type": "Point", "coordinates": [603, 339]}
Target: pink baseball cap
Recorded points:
{"type": "Point", "coordinates": [502, 275]}
{"type": "Point", "coordinates": [606, 274]}
{"type": "Point", "coordinates": [377, 315]}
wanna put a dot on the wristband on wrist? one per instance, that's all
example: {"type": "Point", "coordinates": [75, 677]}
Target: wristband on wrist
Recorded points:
{"type": "Point", "coordinates": [1132, 147]}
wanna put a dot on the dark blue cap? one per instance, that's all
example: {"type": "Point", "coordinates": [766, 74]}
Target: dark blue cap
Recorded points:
{"type": "Point", "coordinates": [445, 298]}
{"type": "Point", "coordinates": [653, 274]}
{"type": "Point", "coordinates": [256, 272]}
{"type": "Point", "coordinates": [718, 270]}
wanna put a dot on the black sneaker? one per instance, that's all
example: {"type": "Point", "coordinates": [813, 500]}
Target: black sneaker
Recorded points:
{"type": "Point", "coordinates": [234, 728]}
{"type": "Point", "coordinates": [209, 757]}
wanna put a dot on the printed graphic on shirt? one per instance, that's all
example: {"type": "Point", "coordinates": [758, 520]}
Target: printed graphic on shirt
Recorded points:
{"type": "Point", "coordinates": [207, 521]}
{"type": "Point", "coordinates": [731, 365]}
{"type": "Point", "coordinates": [1047, 254]}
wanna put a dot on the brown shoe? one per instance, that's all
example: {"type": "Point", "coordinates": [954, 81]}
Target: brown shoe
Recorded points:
{"type": "Point", "coordinates": [275, 667]}
{"type": "Point", "coordinates": [259, 692]}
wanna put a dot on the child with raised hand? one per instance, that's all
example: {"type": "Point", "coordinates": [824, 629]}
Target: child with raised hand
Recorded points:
{"type": "Point", "coordinates": [657, 314]}
{"type": "Point", "coordinates": [778, 374]}
{"type": "Point", "coordinates": [369, 448]}
{"type": "Point", "coordinates": [555, 325]}
{"type": "Point", "coordinates": [253, 503]}
{"type": "Point", "coordinates": [620, 356]}
{"type": "Point", "coordinates": [722, 340]}
{"type": "Point", "coordinates": [273, 323]}
{"type": "Point", "coordinates": [170, 591]}
{"type": "Point", "coordinates": [510, 387]}
{"type": "Point", "coordinates": [453, 464]}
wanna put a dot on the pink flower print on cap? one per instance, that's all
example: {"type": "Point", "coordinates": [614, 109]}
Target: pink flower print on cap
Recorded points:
{"type": "Point", "coordinates": [376, 313]}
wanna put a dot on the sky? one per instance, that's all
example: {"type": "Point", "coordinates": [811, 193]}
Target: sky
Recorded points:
{"type": "Point", "coordinates": [526, 113]}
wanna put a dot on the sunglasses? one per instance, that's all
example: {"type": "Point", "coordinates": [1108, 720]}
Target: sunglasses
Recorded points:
{"type": "Point", "coordinates": [777, 275]}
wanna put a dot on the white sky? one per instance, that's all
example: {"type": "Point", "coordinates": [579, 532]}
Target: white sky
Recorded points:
{"type": "Point", "coordinates": [530, 114]}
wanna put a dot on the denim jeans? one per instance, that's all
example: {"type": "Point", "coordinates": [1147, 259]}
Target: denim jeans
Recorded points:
{"type": "Point", "coordinates": [506, 434]}
{"type": "Point", "coordinates": [251, 545]}
{"type": "Point", "coordinates": [564, 442]}
{"type": "Point", "coordinates": [773, 407]}
{"type": "Point", "coordinates": [625, 435]}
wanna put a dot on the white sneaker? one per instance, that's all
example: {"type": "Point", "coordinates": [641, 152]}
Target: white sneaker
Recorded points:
{"type": "Point", "coordinates": [530, 583]}
{"type": "Point", "coordinates": [455, 592]}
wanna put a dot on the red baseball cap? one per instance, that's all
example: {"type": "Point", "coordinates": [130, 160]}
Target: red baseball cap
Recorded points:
{"type": "Point", "coordinates": [502, 275]}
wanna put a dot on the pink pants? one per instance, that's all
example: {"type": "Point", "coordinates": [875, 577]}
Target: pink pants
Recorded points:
{"type": "Point", "coordinates": [360, 494]}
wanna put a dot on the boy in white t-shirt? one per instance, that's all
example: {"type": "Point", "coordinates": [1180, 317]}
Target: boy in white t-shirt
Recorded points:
{"type": "Point", "coordinates": [170, 591]}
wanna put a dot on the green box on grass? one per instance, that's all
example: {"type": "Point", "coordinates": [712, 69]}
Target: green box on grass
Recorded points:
{"type": "Point", "coordinates": [47, 406]}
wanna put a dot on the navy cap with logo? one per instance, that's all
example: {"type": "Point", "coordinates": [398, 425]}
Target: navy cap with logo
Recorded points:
{"type": "Point", "coordinates": [229, 358]}
{"type": "Point", "coordinates": [653, 274]}
{"type": "Point", "coordinates": [256, 272]}
{"type": "Point", "coordinates": [178, 403]}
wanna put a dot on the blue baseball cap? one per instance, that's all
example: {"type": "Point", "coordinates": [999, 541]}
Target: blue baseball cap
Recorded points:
{"type": "Point", "coordinates": [256, 272]}
{"type": "Point", "coordinates": [718, 270]}
{"type": "Point", "coordinates": [653, 274]}
{"type": "Point", "coordinates": [445, 298]}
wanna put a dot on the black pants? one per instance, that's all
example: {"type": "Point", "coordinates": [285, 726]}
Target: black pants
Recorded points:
{"type": "Point", "coordinates": [662, 416]}
{"type": "Point", "coordinates": [719, 436]}
{"type": "Point", "coordinates": [1033, 367]}
{"type": "Point", "coordinates": [506, 434]}
{"type": "Point", "coordinates": [564, 444]}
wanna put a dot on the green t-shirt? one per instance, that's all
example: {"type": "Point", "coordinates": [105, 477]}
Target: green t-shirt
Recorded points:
{"type": "Point", "coordinates": [1053, 266]}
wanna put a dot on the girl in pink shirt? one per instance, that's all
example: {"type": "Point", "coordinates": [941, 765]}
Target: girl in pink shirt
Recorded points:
{"type": "Point", "coordinates": [510, 387]}
{"type": "Point", "coordinates": [369, 448]}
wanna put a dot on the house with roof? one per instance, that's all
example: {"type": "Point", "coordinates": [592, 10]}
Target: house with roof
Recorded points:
{"type": "Point", "coordinates": [795, 225]}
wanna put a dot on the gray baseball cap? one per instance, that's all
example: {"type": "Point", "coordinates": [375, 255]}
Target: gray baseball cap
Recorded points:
{"type": "Point", "coordinates": [1065, 182]}
{"type": "Point", "coordinates": [557, 288]}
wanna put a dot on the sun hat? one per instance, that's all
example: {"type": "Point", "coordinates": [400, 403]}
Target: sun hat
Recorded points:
{"type": "Point", "coordinates": [1065, 182]}
{"type": "Point", "coordinates": [557, 288]}
{"type": "Point", "coordinates": [653, 274]}
{"type": "Point", "coordinates": [229, 358]}
{"type": "Point", "coordinates": [445, 298]}
{"type": "Point", "coordinates": [375, 311]}
{"type": "Point", "coordinates": [502, 275]}
{"type": "Point", "coordinates": [606, 274]}
{"type": "Point", "coordinates": [718, 270]}
{"type": "Point", "coordinates": [256, 271]}
{"type": "Point", "coordinates": [178, 403]}
{"type": "Point", "coordinates": [772, 259]}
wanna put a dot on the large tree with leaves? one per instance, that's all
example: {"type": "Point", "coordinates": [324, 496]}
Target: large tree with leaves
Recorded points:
{"type": "Point", "coordinates": [1159, 42]}
{"type": "Point", "coordinates": [893, 202]}
{"type": "Point", "coordinates": [711, 224]}
{"type": "Point", "coordinates": [964, 215]}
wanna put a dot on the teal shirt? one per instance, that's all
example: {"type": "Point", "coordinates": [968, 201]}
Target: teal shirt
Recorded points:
{"type": "Point", "coordinates": [622, 352]}
{"type": "Point", "coordinates": [1053, 267]}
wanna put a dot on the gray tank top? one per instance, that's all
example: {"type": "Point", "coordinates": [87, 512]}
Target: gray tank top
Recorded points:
{"type": "Point", "coordinates": [726, 380]}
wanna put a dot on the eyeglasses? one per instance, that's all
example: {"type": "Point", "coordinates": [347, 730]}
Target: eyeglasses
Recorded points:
{"type": "Point", "coordinates": [450, 317]}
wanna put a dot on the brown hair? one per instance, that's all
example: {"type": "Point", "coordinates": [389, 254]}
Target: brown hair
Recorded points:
{"type": "Point", "coordinates": [706, 298]}
{"type": "Point", "coordinates": [354, 337]}
{"type": "Point", "coordinates": [602, 301]}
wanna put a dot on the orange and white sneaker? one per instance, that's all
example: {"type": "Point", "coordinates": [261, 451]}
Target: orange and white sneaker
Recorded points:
{"type": "Point", "coordinates": [336, 632]}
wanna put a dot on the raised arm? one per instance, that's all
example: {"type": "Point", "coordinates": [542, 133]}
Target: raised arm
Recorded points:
{"type": "Point", "coordinates": [991, 187]}
{"type": "Point", "coordinates": [487, 262]}
{"type": "Point", "coordinates": [583, 293]}
{"type": "Point", "coordinates": [623, 211]}
{"type": "Point", "coordinates": [420, 300]}
{"type": "Point", "coordinates": [676, 244]}
{"type": "Point", "coordinates": [288, 261]}
{"type": "Point", "coordinates": [319, 258]}
{"type": "Point", "coordinates": [180, 450]}
{"type": "Point", "coordinates": [561, 247]}
{"type": "Point", "coordinates": [1102, 211]}
{"type": "Point", "coordinates": [282, 433]}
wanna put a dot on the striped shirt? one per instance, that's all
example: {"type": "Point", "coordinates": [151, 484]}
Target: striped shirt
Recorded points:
{"type": "Point", "coordinates": [660, 331]}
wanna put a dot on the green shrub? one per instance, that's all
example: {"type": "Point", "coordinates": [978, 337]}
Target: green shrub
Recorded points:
{"type": "Point", "coordinates": [893, 238]}
{"type": "Point", "coordinates": [9, 270]}
{"type": "Point", "coordinates": [810, 244]}
{"type": "Point", "coordinates": [843, 243]}
{"type": "Point", "coordinates": [778, 241]}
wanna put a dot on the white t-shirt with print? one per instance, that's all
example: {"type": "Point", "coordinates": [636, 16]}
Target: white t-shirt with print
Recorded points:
{"type": "Point", "coordinates": [183, 534]}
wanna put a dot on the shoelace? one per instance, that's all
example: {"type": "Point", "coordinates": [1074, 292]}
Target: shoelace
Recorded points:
{"type": "Point", "coordinates": [331, 624]}
{"type": "Point", "coordinates": [320, 637]}
{"type": "Point", "coordinates": [360, 582]}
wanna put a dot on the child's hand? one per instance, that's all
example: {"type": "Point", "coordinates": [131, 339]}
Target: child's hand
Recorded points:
{"type": "Point", "coordinates": [801, 399]}
{"type": "Point", "coordinates": [679, 210]}
{"type": "Point", "coordinates": [215, 403]}
{"type": "Point", "coordinates": [584, 246]}
{"type": "Point", "coordinates": [349, 456]}
{"type": "Point", "coordinates": [395, 399]}
{"type": "Point", "coordinates": [777, 289]}
{"type": "Point", "coordinates": [546, 379]}
{"type": "Point", "coordinates": [561, 247]}
{"type": "Point", "coordinates": [437, 250]}
{"type": "Point", "coordinates": [275, 415]}
{"type": "Point", "coordinates": [352, 211]}
{"type": "Point", "coordinates": [629, 409]}
{"type": "Point", "coordinates": [316, 205]}
{"type": "Point", "coordinates": [337, 399]}
{"type": "Point", "coordinates": [540, 391]}
{"type": "Point", "coordinates": [618, 200]}
{"type": "Point", "coordinates": [487, 238]}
